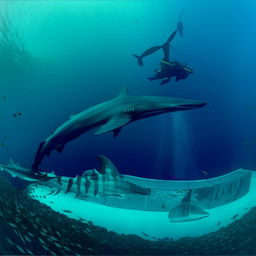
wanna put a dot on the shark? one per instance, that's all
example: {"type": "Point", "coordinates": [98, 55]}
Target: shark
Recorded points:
{"type": "Point", "coordinates": [106, 181]}
{"type": "Point", "coordinates": [187, 211]}
{"type": "Point", "coordinates": [111, 116]}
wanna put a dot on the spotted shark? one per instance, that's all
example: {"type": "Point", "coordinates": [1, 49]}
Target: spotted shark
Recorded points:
{"type": "Point", "coordinates": [111, 116]}
{"type": "Point", "coordinates": [107, 181]}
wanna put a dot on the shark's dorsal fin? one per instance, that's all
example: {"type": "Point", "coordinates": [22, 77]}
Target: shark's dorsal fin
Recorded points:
{"type": "Point", "coordinates": [124, 91]}
{"type": "Point", "coordinates": [114, 124]}
{"type": "Point", "coordinates": [105, 163]}
{"type": "Point", "coordinates": [187, 197]}
{"type": "Point", "coordinates": [11, 162]}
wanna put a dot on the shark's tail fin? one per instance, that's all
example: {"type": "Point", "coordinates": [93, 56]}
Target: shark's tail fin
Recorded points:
{"type": "Point", "coordinates": [37, 160]}
{"type": "Point", "coordinates": [139, 59]}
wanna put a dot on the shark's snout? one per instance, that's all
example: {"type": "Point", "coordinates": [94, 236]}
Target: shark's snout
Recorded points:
{"type": "Point", "coordinates": [193, 105]}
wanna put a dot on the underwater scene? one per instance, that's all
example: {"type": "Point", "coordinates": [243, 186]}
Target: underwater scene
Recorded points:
{"type": "Point", "coordinates": [127, 127]}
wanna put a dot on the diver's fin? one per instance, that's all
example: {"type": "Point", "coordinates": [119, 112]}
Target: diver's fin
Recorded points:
{"type": "Point", "coordinates": [171, 37]}
{"type": "Point", "coordinates": [124, 91]}
{"type": "Point", "coordinates": [60, 148]}
{"type": "Point", "coordinates": [105, 163]}
{"type": "Point", "coordinates": [180, 26]}
{"type": "Point", "coordinates": [139, 59]}
{"type": "Point", "coordinates": [112, 125]}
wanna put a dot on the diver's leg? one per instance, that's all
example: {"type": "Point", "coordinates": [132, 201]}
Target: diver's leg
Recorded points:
{"type": "Point", "coordinates": [166, 81]}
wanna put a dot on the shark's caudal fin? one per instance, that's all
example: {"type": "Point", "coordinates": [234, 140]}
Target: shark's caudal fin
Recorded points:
{"type": "Point", "coordinates": [105, 163]}
{"type": "Point", "coordinates": [36, 159]}
{"type": "Point", "coordinates": [139, 59]}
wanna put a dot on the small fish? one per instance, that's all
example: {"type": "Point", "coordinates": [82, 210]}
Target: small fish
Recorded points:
{"type": "Point", "coordinates": [145, 234]}
{"type": "Point", "coordinates": [68, 211]}
{"type": "Point", "coordinates": [41, 241]}
{"type": "Point", "coordinates": [205, 172]}
{"type": "Point", "coordinates": [82, 219]}
{"type": "Point", "coordinates": [235, 216]}
{"type": "Point", "coordinates": [4, 97]}
{"type": "Point", "coordinates": [13, 225]}
{"type": "Point", "coordinates": [15, 115]}
{"type": "Point", "coordinates": [218, 223]}
{"type": "Point", "coordinates": [10, 241]}
{"type": "Point", "coordinates": [20, 249]}
{"type": "Point", "coordinates": [19, 114]}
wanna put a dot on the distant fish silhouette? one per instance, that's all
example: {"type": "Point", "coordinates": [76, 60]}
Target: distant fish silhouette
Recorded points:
{"type": "Point", "coordinates": [180, 26]}
{"type": "Point", "coordinates": [187, 211]}
{"type": "Point", "coordinates": [205, 172]}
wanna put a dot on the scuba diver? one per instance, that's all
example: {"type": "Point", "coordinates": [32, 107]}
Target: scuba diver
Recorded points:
{"type": "Point", "coordinates": [171, 69]}
{"type": "Point", "coordinates": [167, 69]}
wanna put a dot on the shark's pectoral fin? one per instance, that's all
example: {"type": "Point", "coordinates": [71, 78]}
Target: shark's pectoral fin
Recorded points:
{"type": "Point", "coordinates": [60, 148]}
{"type": "Point", "coordinates": [116, 131]}
{"type": "Point", "coordinates": [114, 124]}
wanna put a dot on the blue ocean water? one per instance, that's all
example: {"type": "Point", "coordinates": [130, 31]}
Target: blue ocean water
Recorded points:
{"type": "Point", "coordinates": [61, 57]}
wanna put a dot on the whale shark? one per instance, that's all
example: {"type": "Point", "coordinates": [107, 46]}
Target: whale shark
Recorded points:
{"type": "Point", "coordinates": [107, 181]}
{"type": "Point", "coordinates": [111, 116]}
